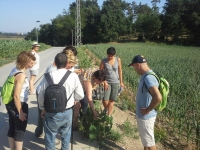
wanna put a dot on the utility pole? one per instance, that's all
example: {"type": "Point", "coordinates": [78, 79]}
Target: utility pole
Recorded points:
{"type": "Point", "coordinates": [36, 30]}
{"type": "Point", "coordinates": [72, 37]}
{"type": "Point", "coordinates": [78, 24]}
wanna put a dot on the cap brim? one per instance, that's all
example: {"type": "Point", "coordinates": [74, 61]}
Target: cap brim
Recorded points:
{"type": "Point", "coordinates": [36, 45]}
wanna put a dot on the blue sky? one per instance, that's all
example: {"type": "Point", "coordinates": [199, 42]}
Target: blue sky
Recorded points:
{"type": "Point", "coordinates": [21, 15]}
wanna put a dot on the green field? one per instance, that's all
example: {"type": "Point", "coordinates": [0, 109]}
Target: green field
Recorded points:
{"type": "Point", "coordinates": [9, 49]}
{"type": "Point", "coordinates": [180, 66]}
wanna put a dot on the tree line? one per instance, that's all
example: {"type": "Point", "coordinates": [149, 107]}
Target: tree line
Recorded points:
{"type": "Point", "coordinates": [118, 20]}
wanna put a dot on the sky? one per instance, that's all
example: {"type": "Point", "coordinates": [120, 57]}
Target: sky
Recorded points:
{"type": "Point", "coordinates": [20, 16]}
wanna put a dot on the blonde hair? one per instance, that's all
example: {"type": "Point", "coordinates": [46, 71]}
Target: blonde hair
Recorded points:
{"type": "Point", "coordinates": [23, 59]}
{"type": "Point", "coordinates": [70, 57]}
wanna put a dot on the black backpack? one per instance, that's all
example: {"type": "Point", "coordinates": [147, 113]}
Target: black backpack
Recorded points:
{"type": "Point", "coordinates": [55, 99]}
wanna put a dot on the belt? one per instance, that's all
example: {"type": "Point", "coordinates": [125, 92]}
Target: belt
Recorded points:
{"type": "Point", "coordinates": [69, 108]}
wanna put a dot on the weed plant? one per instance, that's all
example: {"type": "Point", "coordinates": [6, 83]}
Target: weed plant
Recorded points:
{"type": "Point", "coordinates": [130, 130]}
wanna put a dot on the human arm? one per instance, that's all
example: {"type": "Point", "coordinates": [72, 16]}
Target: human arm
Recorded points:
{"type": "Point", "coordinates": [101, 67]}
{"type": "Point", "coordinates": [88, 88]}
{"type": "Point", "coordinates": [120, 72]}
{"type": "Point", "coordinates": [156, 99]}
{"type": "Point", "coordinates": [78, 71]}
{"type": "Point", "coordinates": [19, 81]}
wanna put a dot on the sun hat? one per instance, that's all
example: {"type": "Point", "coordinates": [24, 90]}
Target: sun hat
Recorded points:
{"type": "Point", "coordinates": [137, 59]}
{"type": "Point", "coordinates": [35, 44]}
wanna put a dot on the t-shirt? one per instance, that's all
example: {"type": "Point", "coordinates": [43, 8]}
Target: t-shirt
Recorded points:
{"type": "Point", "coordinates": [144, 98]}
{"type": "Point", "coordinates": [37, 61]}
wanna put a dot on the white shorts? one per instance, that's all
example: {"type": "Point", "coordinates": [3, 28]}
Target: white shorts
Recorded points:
{"type": "Point", "coordinates": [34, 72]}
{"type": "Point", "coordinates": [146, 131]}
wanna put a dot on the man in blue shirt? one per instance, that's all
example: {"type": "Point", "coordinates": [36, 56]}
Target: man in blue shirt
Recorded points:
{"type": "Point", "coordinates": [148, 97]}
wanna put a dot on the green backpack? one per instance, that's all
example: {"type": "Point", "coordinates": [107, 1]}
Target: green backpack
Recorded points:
{"type": "Point", "coordinates": [164, 90]}
{"type": "Point", "coordinates": [8, 89]}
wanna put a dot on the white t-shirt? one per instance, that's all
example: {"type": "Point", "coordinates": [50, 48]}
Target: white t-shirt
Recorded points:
{"type": "Point", "coordinates": [72, 85]}
{"type": "Point", "coordinates": [37, 61]}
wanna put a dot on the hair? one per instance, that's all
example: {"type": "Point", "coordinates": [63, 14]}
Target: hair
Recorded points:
{"type": "Point", "coordinates": [70, 57]}
{"type": "Point", "coordinates": [23, 59]}
{"type": "Point", "coordinates": [72, 48]}
{"type": "Point", "coordinates": [60, 60]}
{"type": "Point", "coordinates": [111, 51]}
{"type": "Point", "coordinates": [100, 75]}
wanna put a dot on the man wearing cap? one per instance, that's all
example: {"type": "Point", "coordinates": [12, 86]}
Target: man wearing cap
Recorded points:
{"type": "Point", "coordinates": [148, 97]}
{"type": "Point", "coordinates": [34, 71]}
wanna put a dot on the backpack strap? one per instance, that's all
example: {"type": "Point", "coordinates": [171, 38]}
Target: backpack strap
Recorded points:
{"type": "Point", "coordinates": [62, 81]}
{"type": "Point", "coordinates": [48, 78]}
{"type": "Point", "coordinates": [17, 73]}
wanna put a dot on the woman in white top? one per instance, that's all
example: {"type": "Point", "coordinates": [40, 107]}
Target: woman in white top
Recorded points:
{"type": "Point", "coordinates": [34, 71]}
{"type": "Point", "coordinates": [18, 108]}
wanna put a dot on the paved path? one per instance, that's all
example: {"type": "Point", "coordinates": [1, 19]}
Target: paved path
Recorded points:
{"type": "Point", "coordinates": [30, 141]}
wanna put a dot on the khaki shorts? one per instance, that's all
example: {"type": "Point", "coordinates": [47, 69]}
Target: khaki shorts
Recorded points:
{"type": "Point", "coordinates": [146, 131]}
{"type": "Point", "coordinates": [34, 72]}
{"type": "Point", "coordinates": [112, 92]}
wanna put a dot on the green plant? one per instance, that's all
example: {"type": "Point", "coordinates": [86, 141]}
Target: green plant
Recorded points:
{"type": "Point", "coordinates": [114, 136]}
{"type": "Point", "coordinates": [124, 105]}
{"type": "Point", "coordinates": [160, 134]}
{"type": "Point", "coordinates": [96, 128]}
{"type": "Point", "coordinates": [130, 129]}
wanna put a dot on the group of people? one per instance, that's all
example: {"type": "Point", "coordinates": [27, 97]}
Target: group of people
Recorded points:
{"type": "Point", "coordinates": [79, 86]}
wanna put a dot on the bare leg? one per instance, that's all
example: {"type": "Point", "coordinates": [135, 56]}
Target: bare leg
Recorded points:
{"type": "Point", "coordinates": [11, 143]}
{"type": "Point", "coordinates": [150, 148]}
{"type": "Point", "coordinates": [105, 103]}
{"type": "Point", "coordinates": [110, 106]}
{"type": "Point", "coordinates": [31, 82]}
{"type": "Point", "coordinates": [18, 145]}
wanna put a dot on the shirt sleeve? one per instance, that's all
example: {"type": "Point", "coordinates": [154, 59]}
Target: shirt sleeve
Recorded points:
{"type": "Point", "coordinates": [150, 81]}
{"type": "Point", "coordinates": [41, 92]}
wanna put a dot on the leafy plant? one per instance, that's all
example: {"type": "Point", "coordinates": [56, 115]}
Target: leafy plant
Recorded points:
{"type": "Point", "coordinates": [130, 129]}
{"type": "Point", "coordinates": [96, 128]}
{"type": "Point", "coordinates": [160, 134]}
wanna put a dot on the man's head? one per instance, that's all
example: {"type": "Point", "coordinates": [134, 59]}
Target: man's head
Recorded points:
{"type": "Point", "coordinates": [139, 63]}
{"type": "Point", "coordinates": [60, 60]}
{"type": "Point", "coordinates": [99, 76]}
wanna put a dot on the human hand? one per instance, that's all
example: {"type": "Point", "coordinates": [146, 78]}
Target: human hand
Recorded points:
{"type": "Point", "coordinates": [122, 84]}
{"type": "Point", "coordinates": [95, 114]}
{"type": "Point", "coordinates": [22, 116]}
{"type": "Point", "coordinates": [43, 113]}
{"type": "Point", "coordinates": [106, 85]}
{"type": "Point", "coordinates": [144, 111]}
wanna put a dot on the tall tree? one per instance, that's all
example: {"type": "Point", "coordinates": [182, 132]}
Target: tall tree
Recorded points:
{"type": "Point", "coordinates": [92, 18]}
{"type": "Point", "coordinates": [113, 20]}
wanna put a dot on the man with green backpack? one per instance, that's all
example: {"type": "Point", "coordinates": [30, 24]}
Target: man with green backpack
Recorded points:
{"type": "Point", "coordinates": [147, 99]}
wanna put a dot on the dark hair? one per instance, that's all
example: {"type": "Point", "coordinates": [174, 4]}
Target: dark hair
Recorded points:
{"type": "Point", "coordinates": [111, 51]}
{"type": "Point", "coordinates": [60, 60]}
{"type": "Point", "coordinates": [100, 75]}
{"type": "Point", "coordinates": [72, 48]}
